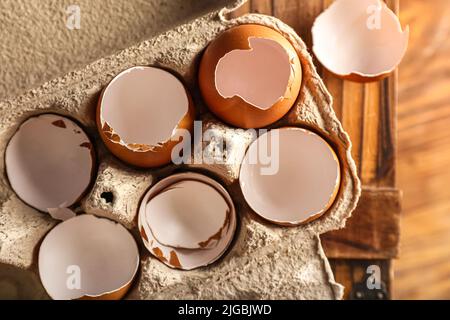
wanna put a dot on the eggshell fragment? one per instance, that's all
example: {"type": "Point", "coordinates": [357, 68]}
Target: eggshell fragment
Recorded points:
{"type": "Point", "coordinates": [188, 214]}
{"type": "Point", "coordinates": [49, 162]}
{"type": "Point", "coordinates": [180, 258]}
{"type": "Point", "coordinates": [140, 113]}
{"type": "Point", "coordinates": [61, 214]}
{"type": "Point", "coordinates": [250, 76]}
{"type": "Point", "coordinates": [359, 40]}
{"type": "Point", "coordinates": [303, 179]}
{"type": "Point", "coordinates": [88, 257]}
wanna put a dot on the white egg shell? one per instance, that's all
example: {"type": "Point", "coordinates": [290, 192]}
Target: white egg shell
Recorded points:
{"type": "Point", "coordinates": [87, 257]}
{"type": "Point", "coordinates": [188, 215]}
{"type": "Point", "coordinates": [49, 162]}
{"type": "Point", "coordinates": [360, 40]}
{"type": "Point", "coordinates": [186, 259]}
{"type": "Point", "coordinates": [290, 176]}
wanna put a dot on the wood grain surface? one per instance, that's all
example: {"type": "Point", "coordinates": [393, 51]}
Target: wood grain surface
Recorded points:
{"type": "Point", "coordinates": [360, 239]}
{"type": "Point", "coordinates": [423, 269]}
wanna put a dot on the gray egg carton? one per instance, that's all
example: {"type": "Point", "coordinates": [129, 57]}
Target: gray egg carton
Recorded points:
{"type": "Point", "coordinates": [264, 261]}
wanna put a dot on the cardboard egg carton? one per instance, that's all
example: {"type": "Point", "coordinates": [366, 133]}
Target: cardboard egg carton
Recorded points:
{"type": "Point", "coordinates": [265, 261]}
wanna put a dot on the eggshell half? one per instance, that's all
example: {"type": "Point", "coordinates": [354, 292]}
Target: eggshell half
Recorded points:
{"type": "Point", "coordinates": [50, 162]}
{"type": "Point", "coordinates": [140, 113]}
{"type": "Point", "coordinates": [290, 176]}
{"type": "Point", "coordinates": [359, 40]}
{"type": "Point", "coordinates": [250, 76]}
{"type": "Point", "coordinates": [88, 258]}
{"type": "Point", "coordinates": [186, 259]}
{"type": "Point", "coordinates": [188, 214]}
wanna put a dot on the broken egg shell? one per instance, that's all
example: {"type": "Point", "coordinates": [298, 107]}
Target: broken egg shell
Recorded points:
{"type": "Point", "coordinates": [44, 154]}
{"type": "Point", "coordinates": [303, 186]}
{"type": "Point", "coordinates": [103, 252]}
{"type": "Point", "coordinates": [210, 238]}
{"type": "Point", "coordinates": [349, 49]}
{"type": "Point", "coordinates": [140, 154]}
{"type": "Point", "coordinates": [186, 259]}
{"type": "Point", "coordinates": [112, 296]}
{"type": "Point", "coordinates": [354, 77]}
{"type": "Point", "coordinates": [193, 211]}
{"type": "Point", "coordinates": [236, 110]}
{"type": "Point", "coordinates": [61, 214]}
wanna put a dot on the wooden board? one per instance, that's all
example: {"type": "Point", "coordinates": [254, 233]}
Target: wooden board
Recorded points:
{"type": "Point", "coordinates": [424, 153]}
{"type": "Point", "coordinates": [372, 232]}
{"type": "Point", "coordinates": [368, 114]}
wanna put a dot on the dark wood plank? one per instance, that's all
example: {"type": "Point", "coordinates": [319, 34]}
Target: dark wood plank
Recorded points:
{"type": "Point", "coordinates": [353, 275]}
{"type": "Point", "coordinates": [366, 242]}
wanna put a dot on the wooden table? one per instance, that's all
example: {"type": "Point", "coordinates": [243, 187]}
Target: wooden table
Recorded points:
{"type": "Point", "coordinates": [423, 271]}
{"type": "Point", "coordinates": [368, 114]}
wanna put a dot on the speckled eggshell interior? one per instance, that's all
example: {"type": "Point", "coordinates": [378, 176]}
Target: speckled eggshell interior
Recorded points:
{"type": "Point", "coordinates": [264, 261]}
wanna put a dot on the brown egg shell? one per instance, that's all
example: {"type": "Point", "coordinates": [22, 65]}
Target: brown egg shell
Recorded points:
{"type": "Point", "coordinates": [158, 156]}
{"type": "Point", "coordinates": [111, 296]}
{"type": "Point", "coordinates": [235, 110]}
{"type": "Point", "coordinates": [211, 239]}
{"type": "Point", "coordinates": [187, 259]}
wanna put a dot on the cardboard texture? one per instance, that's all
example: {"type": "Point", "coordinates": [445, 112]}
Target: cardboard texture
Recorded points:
{"type": "Point", "coordinates": [265, 261]}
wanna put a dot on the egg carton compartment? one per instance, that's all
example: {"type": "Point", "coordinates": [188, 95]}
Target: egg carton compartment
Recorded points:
{"type": "Point", "coordinates": [264, 261]}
